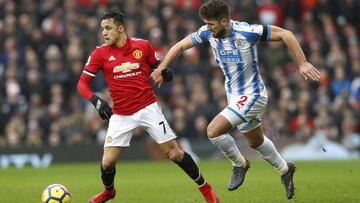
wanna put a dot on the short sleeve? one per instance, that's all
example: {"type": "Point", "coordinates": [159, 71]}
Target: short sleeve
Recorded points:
{"type": "Point", "coordinates": [94, 63]}
{"type": "Point", "coordinates": [152, 57]}
{"type": "Point", "coordinates": [253, 32]}
{"type": "Point", "coordinates": [201, 36]}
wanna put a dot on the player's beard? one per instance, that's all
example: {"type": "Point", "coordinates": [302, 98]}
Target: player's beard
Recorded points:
{"type": "Point", "coordinates": [220, 34]}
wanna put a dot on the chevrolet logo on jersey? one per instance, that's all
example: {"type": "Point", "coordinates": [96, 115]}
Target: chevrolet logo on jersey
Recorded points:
{"type": "Point", "coordinates": [126, 67]}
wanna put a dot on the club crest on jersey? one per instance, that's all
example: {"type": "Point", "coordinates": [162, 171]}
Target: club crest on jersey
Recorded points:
{"type": "Point", "coordinates": [239, 42]}
{"type": "Point", "coordinates": [126, 67]}
{"type": "Point", "coordinates": [137, 54]}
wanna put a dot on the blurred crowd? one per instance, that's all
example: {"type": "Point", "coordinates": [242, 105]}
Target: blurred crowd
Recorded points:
{"type": "Point", "coordinates": [44, 45]}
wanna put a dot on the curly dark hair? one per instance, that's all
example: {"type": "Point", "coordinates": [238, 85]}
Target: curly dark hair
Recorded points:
{"type": "Point", "coordinates": [214, 9]}
{"type": "Point", "coordinates": [116, 14]}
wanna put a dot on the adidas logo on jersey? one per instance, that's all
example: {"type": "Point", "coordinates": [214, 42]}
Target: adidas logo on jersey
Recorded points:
{"type": "Point", "coordinates": [111, 58]}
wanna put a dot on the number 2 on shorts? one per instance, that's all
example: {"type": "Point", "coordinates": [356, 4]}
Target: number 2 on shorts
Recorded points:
{"type": "Point", "coordinates": [240, 103]}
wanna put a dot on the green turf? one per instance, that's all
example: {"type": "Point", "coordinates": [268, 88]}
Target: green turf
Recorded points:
{"type": "Point", "coordinates": [163, 182]}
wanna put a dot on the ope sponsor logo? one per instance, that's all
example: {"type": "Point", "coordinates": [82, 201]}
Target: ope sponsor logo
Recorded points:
{"type": "Point", "coordinates": [229, 52]}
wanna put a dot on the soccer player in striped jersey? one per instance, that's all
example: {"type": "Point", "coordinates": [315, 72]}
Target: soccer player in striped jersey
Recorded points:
{"type": "Point", "coordinates": [234, 47]}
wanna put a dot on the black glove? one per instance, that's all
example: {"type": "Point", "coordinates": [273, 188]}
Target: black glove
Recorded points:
{"type": "Point", "coordinates": [167, 74]}
{"type": "Point", "coordinates": [102, 107]}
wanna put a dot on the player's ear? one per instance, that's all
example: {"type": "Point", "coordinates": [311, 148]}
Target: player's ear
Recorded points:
{"type": "Point", "coordinates": [224, 21]}
{"type": "Point", "coordinates": [121, 28]}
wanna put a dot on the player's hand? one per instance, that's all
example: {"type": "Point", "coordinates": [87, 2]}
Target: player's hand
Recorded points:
{"type": "Point", "coordinates": [161, 76]}
{"type": "Point", "coordinates": [309, 71]}
{"type": "Point", "coordinates": [103, 108]}
{"type": "Point", "coordinates": [157, 77]}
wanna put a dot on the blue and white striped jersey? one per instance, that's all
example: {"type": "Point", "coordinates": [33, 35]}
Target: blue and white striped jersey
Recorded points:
{"type": "Point", "coordinates": [237, 56]}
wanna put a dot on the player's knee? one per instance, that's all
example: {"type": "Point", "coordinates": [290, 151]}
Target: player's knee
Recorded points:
{"type": "Point", "coordinates": [108, 163]}
{"type": "Point", "coordinates": [211, 133]}
{"type": "Point", "coordinates": [255, 143]}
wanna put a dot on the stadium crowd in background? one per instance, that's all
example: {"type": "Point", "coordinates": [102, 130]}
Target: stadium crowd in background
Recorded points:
{"type": "Point", "coordinates": [44, 46]}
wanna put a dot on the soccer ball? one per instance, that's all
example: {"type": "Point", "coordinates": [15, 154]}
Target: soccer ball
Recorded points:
{"type": "Point", "coordinates": [55, 193]}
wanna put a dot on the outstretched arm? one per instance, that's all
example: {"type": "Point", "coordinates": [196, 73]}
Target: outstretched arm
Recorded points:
{"type": "Point", "coordinates": [306, 69]}
{"type": "Point", "coordinates": [172, 54]}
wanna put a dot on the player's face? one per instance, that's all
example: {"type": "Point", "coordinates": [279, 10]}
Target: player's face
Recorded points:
{"type": "Point", "coordinates": [110, 31]}
{"type": "Point", "coordinates": [217, 27]}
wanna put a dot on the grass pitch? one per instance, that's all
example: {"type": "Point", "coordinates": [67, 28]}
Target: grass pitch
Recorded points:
{"type": "Point", "coordinates": [164, 182]}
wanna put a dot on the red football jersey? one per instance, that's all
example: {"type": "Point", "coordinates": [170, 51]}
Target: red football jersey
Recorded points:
{"type": "Point", "coordinates": [127, 73]}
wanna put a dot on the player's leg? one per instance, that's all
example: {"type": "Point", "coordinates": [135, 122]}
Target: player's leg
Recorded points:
{"type": "Point", "coordinates": [257, 140]}
{"type": "Point", "coordinates": [118, 137]}
{"type": "Point", "coordinates": [173, 151]}
{"type": "Point", "coordinates": [266, 148]}
{"type": "Point", "coordinates": [108, 171]}
{"type": "Point", "coordinates": [241, 111]}
{"type": "Point", "coordinates": [108, 166]}
{"type": "Point", "coordinates": [154, 122]}
{"type": "Point", "coordinates": [226, 143]}
{"type": "Point", "coordinates": [217, 133]}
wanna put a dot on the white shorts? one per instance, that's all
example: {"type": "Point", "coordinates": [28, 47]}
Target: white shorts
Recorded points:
{"type": "Point", "coordinates": [150, 118]}
{"type": "Point", "coordinates": [245, 111]}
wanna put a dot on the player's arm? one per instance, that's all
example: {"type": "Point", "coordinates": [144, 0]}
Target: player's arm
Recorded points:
{"type": "Point", "coordinates": [175, 51]}
{"type": "Point", "coordinates": [154, 62]}
{"type": "Point", "coordinates": [171, 55]}
{"type": "Point", "coordinates": [83, 87]}
{"type": "Point", "coordinates": [306, 69]}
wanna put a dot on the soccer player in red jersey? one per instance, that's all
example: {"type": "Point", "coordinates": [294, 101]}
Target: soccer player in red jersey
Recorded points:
{"type": "Point", "coordinates": [126, 63]}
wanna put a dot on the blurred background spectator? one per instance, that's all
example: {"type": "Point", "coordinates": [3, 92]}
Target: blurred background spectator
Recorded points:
{"type": "Point", "coordinates": [44, 45]}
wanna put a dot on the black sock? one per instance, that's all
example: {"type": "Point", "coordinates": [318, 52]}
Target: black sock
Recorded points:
{"type": "Point", "coordinates": [107, 177]}
{"type": "Point", "coordinates": [188, 165]}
